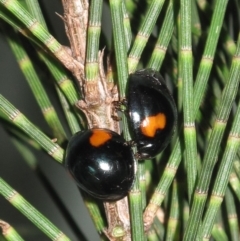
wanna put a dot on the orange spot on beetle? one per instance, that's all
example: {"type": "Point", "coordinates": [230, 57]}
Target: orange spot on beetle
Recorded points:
{"type": "Point", "coordinates": [151, 124]}
{"type": "Point", "coordinates": [99, 137]}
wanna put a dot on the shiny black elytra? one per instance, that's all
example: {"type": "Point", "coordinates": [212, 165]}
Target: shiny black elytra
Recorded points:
{"type": "Point", "coordinates": [101, 163]}
{"type": "Point", "coordinates": [152, 112]}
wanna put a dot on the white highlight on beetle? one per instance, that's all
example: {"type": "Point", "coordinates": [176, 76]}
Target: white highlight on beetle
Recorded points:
{"type": "Point", "coordinates": [105, 166]}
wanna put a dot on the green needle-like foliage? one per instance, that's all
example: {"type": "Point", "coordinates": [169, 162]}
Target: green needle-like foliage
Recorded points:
{"type": "Point", "coordinates": [30, 212]}
{"type": "Point", "coordinates": [210, 157]}
{"type": "Point", "coordinates": [94, 29]}
{"type": "Point", "coordinates": [232, 216]}
{"type": "Point", "coordinates": [173, 218]}
{"type": "Point", "coordinates": [164, 38]}
{"type": "Point", "coordinates": [222, 178]}
{"type": "Point", "coordinates": [186, 61]}
{"type": "Point", "coordinates": [24, 124]}
{"type": "Point", "coordinates": [119, 44]}
{"type": "Point", "coordinates": [234, 182]}
{"type": "Point", "coordinates": [37, 88]}
{"type": "Point", "coordinates": [144, 32]}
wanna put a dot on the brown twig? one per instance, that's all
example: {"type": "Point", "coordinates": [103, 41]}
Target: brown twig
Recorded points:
{"type": "Point", "coordinates": [5, 227]}
{"type": "Point", "coordinates": [76, 19]}
{"type": "Point", "coordinates": [118, 220]}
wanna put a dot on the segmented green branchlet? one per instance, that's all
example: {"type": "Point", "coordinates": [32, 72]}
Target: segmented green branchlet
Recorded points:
{"type": "Point", "coordinates": [234, 182]}
{"type": "Point", "coordinates": [221, 181]}
{"type": "Point", "coordinates": [127, 26]}
{"type": "Point", "coordinates": [31, 213]}
{"type": "Point", "coordinates": [186, 66]}
{"type": "Point", "coordinates": [207, 115]}
{"type": "Point", "coordinates": [35, 84]}
{"type": "Point", "coordinates": [19, 139]}
{"type": "Point", "coordinates": [94, 212]}
{"type": "Point", "coordinates": [70, 116]}
{"type": "Point", "coordinates": [16, 24]}
{"type": "Point", "coordinates": [65, 85]}
{"type": "Point", "coordinates": [179, 77]}
{"type": "Point", "coordinates": [16, 132]}
{"type": "Point", "coordinates": [144, 32]}
{"type": "Point", "coordinates": [93, 35]}
{"type": "Point", "coordinates": [211, 154]}
{"type": "Point", "coordinates": [137, 199]}
{"type": "Point", "coordinates": [57, 70]}
{"type": "Point", "coordinates": [236, 166]}
{"type": "Point", "coordinates": [173, 220]}
{"type": "Point", "coordinates": [183, 206]}
{"type": "Point", "coordinates": [196, 24]}
{"type": "Point", "coordinates": [227, 40]}
{"type": "Point", "coordinates": [120, 49]}
{"type": "Point", "coordinates": [25, 125]}
{"type": "Point", "coordinates": [209, 52]}
{"type": "Point", "coordinates": [199, 90]}
{"type": "Point", "coordinates": [165, 182]}
{"type": "Point", "coordinates": [9, 233]}
{"type": "Point", "coordinates": [135, 203]}
{"type": "Point", "coordinates": [34, 8]}
{"type": "Point", "coordinates": [232, 215]}
{"type": "Point", "coordinates": [218, 232]}
{"type": "Point", "coordinates": [42, 35]}
{"type": "Point", "coordinates": [59, 73]}
{"type": "Point", "coordinates": [32, 161]}
{"type": "Point", "coordinates": [60, 76]}
{"type": "Point", "coordinates": [119, 45]}
{"type": "Point", "coordinates": [148, 174]}
{"type": "Point", "coordinates": [163, 40]}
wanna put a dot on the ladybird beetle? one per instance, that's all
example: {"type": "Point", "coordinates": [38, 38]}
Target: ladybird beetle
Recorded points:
{"type": "Point", "coordinates": [152, 112]}
{"type": "Point", "coordinates": [101, 163]}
